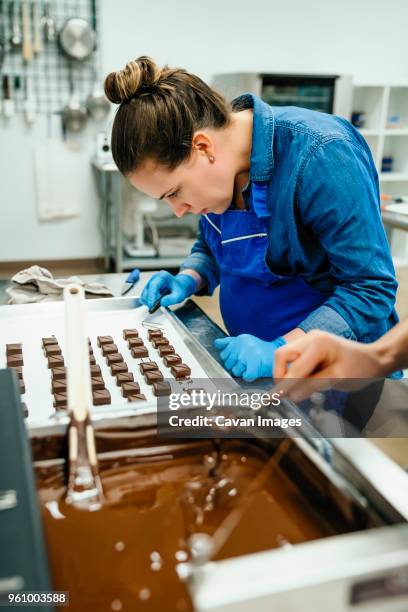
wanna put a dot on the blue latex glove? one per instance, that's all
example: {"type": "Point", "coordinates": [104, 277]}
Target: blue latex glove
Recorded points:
{"type": "Point", "coordinates": [248, 356]}
{"type": "Point", "coordinates": [180, 286]}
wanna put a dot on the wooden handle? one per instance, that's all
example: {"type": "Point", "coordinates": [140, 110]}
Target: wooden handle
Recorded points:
{"type": "Point", "coordinates": [37, 44]}
{"type": "Point", "coordinates": [27, 47]}
{"type": "Point", "coordinates": [76, 345]}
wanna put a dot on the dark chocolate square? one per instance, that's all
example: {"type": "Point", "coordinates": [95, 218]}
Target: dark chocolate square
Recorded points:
{"type": "Point", "coordinates": [101, 397]}
{"type": "Point", "coordinates": [108, 349]}
{"type": "Point", "coordinates": [130, 333]}
{"type": "Point", "coordinates": [139, 352]}
{"type": "Point", "coordinates": [52, 349]}
{"type": "Point", "coordinates": [170, 360]}
{"type": "Point", "coordinates": [117, 368]}
{"type": "Point", "coordinates": [161, 388]}
{"type": "Point", "coordinates": [59, 386]}
{"type": "Point", "coordinates": [104, 340]}
{"type": "Point", "coordinates": [147, 366]}
{"type": "Point", "coordinates": [14, 361]}
{"type": "Point", "coordinates": [160, 342]}
{"type": "Point", "coordinates": [130, 388]}
{"type": "Point", "coordinates": [97, 383]}
{"type": "Point", "coordinates": [139, 397]}
{"type": "Point", "coordinates": [123, 377]}
{"type": "Point", "coordinates": [55, 361]}
{"type": "Point", "coordinates": [14, 349]}
{"type": "Point", "coordinates": [59, 373]}
{"type": "Point", "coordinates": [95, 370]}
{"type": "Point", "coordinates": [153, 376]}
{"type": "Point", "coordinates": [60, 400]}
{"type": "Point", "coordinates": [154, 333]}
{"type": "Point", "coordinates": [132, 342]}
{"type": "Point", "coordinates": [48, 341]}
{"type": "Point", "coordinates": [166, 350]}
{"type": "Point", "coordinates": [114, 358]}
{"type": "Point", "coordinates": [181, 370]}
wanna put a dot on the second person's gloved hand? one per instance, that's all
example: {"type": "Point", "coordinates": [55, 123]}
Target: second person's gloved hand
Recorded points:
{"type": "Point", "coordinates": [180, 286]}
{"type": "Point", "coordinates": [248, 356]}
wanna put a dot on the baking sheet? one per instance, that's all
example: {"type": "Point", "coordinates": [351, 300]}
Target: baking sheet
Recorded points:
{"type": "Point", "coordinates": [29, 327]}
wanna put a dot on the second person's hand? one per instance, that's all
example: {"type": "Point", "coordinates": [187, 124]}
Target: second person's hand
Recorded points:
{"type": "Point", "coordinates": [177, 288]}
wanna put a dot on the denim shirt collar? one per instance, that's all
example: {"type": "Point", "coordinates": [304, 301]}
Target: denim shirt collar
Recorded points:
{"type": "Point", "coordinates": [262, 162]}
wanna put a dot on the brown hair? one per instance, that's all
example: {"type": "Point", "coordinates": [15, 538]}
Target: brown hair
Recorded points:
{"type": "Point", "coordinates": [160, 109]}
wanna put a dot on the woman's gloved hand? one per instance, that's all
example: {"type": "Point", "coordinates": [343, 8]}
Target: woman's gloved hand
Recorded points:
{"type": "Point", "coordinates": [248, 356]}
{"type": "Point", "coordinates": [180, 287]}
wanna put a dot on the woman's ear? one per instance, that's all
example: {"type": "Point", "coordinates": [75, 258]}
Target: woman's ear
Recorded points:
{"type": "Point", "coordinates": [204, 144]}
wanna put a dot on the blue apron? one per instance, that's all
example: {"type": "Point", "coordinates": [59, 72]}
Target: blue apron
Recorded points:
{"type": "Point", "coordinates": [254, 300]}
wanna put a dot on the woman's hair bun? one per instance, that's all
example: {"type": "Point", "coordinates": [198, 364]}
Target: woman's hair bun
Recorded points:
{"type": "Point", "coordinates": [137, 76]}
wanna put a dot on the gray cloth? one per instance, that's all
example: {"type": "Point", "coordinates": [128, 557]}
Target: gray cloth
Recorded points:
{"type": "Point", "coordinates": [36, 284]}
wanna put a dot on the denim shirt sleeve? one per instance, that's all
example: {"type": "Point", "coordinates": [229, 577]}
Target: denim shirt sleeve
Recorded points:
{"type": "Point", "coordinates": [202, 261]}
{"type": "Point", "coordinates": [338, 202]}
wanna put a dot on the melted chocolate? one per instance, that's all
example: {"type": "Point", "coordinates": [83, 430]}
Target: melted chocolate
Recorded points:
{"type": "Point", "coordinates": [124, 555]}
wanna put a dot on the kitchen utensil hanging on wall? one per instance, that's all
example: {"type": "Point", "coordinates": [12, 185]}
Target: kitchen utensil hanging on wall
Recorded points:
{"type": "Point", "coordinates": [74, 114]}
{"type": "Point", "coordinates": [48, 25]}
{"type": "Point", "coordinates": [2, 34]}
{"type": "Point", "coordinates": [77, 38]}
{"type": "Point", "coordinates": [8, 102]}
{"type": "Point", "coordinates": [37, 39]}
{"type": "Point", "coordinates": [27, 42]}
{"type": "Point", "coordinates": [29, 104]}
{"type": "Point", "coordinates": [97, 103]}
{"type": "Point", "coordinates": [16, 39]}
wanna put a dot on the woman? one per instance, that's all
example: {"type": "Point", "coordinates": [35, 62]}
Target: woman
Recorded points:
{"type": "Point", "coordinates": [290, 223]}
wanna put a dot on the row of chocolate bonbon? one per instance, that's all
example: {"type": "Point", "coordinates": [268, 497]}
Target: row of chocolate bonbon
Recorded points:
{"type": "Point", "coordinates": [167, 352]}
{"type": "Point", "coordinates": [118, 367]}
{"type": "Point", "coordinates": [15, 360]}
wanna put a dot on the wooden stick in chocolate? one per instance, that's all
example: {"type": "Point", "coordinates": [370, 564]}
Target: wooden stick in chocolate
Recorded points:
{"type": "Point", "coordinates": [84, 483]}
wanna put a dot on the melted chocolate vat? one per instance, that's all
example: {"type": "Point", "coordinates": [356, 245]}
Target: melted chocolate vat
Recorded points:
{"type": "Point", "coordinates": [124, 556]}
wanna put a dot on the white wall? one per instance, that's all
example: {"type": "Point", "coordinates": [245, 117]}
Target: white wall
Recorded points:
{"type": "Point", "coordinates": [366, 38]}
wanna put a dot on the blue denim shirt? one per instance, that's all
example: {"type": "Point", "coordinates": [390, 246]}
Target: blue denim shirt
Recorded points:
{"type": "Point", "coordinates": [325, 221]}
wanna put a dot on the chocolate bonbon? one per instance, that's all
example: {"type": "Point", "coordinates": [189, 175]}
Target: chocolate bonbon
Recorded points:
{"type": "Point", "coordinates": [130, 333]}
{"type": "Point", "coordinates": [139, 352]}
{"type": "Point", "coordinates": [123, 377]}
{"type": "Point", "coordinates": [55, 361]}
{"type": "Point", "coordinates": [59, 373]}
{"type": "Point", "coordinates": [180, 370]}
{"type": "Point", "coordinates": [132, 342]}
{"type": "Point", "coordinates": [14, 361]}
{"type": "Point", "coordinates": [153, 376]}
{"type": "Point", "coordinates": [59, 386]}
{"type": "Point", "coordinates": [161, 387]}
{"type": "Point", "coordinates": [97, 384]}
{"type": "Point", "coordinates": [117, 368]}
{"type": "Point", "coordinates": [159, 342]}
{"type": "Point", "coordinates": [114, 358]}
{"type": "Point", "coordinates": [130, 388]}
{"type": "Point", "coordinates": [101, 340]}
{"type": "Point", "coordinates": [14, 349]}
{"type": "Point", "coordinates": [48, 341]}
{"type": "Point", "coordinates": [136, 398]}
{"type": "Point", "coordinates": [108, 349]}
{"type": "Point", "coordinates": [101, 397]}
{"type": "Point", "coordinates": [166, 350]}
{"type": "Point", "coordinates": [154, 333]}
{"type": "Point", "coordinates": [171, 360]}
{"type": "Point", "coordinates": [146, 366]}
